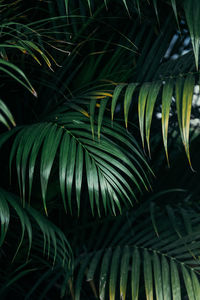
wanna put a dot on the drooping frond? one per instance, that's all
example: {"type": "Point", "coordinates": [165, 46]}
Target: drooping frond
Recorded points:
{"type": "Point", "coordinates": [148, 93]}
{"type": "Point", "coordinates": [27, 40]}
{"type": "Point", "coordinates": [5, 115]}
{"type": "Point", "coordinates": [150, 254]}
{"type": "Point", "coordinates": [112, 167]}
{"type": "Point", "coordinates": [17, 74]}
{"type": "Point", "coordinates": [36, 229]}
{"type": "Point", "coordinates": [157, 81]}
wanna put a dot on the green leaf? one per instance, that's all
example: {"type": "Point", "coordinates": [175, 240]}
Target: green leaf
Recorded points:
{"type": "Point", "coordinates": [24, 220]}
{"type": "Point", "coordinates": [188, 283]}
{"type": "Point", "coordinates": [173, 2]}
{"type": "Point", "coordinates": [89, 5]}
{"type": "Point", "coordinates": [67, 7]}
{"type": "Point", "coordinates": [127, 100]}
{"type": "Point", "coordinates": [124, 272]}
{"type": "Point", "coordinates": [114, 273]}
{"type": "Point", "coordinates": [30, 136]}
{"type": "Point", "coordinates": [92, 112]}
{"type": "Point", "coordinates": [104, 274]}
{"type": "Point", "coordinates": [4, 218]}
{"type": "Point", "coordinates": [89, 180]}
{"type": "Point", "coordinates": [152, 96]}
{"type": "Point", "coordinates": [103, 105]}
{"type": "Point", "coordinates": [57, 244]}
{"type": "Point", "coordinates": [135, 274]}
{"type": "Point", "coordinates": [176, 288]}
{"type": "Point", "coordinates": [70, 170]}
{"type": "Point", "coordinates": [36, 48]}
{"type": "Point", "coordinates": [41, 133]}
{"type": "Point", "coordinates": [157, 277]}
{"type": "Point", "coordinates": [188, 91]}
{"type": "Point", "coordinates": [20, 73]}
{"type": "Point", "coordinates": [166, 102]}
{"type": "Point", "coordinates": [79, 174]}
{"type": "Point", "coordinates": [196, 285]}
{"type": "Point", "coordinates": [125, 4]}
{"type": "Point", "coordinates": [144, 90]}
{"type": "Point", "coordinates": [14, 149]}
{"type": "Point", "coordinates": [156, 9]}
{"type": "Point", "coordinates": [63, 158]}
{"type": "Point", "coordinates": [113, 174]}
{"type": "Point", "coordinates": [7, 114]}
{"type": "Point", "coordinates": [49, 150]}
{"type": "Point", "coordinates": [166, 279]}
{"type": "Point", "coordinates": [192, 12]}
{"type": "Point", "coordinates": [95, 185]}
{"type": "Point", "coordinates": [22, 154]}
{"type": "Point", "coordinates": [148, 279]}
{"type": "Point", "coordinates": [103, 187]}
{"type": "Point", "coordinates": [179, 92]}
{"type": "Point", "coordinates": [115, 97]}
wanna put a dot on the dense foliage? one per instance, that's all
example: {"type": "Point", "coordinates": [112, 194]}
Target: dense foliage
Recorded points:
{"type": "Point", "coordinates": [99, 139]}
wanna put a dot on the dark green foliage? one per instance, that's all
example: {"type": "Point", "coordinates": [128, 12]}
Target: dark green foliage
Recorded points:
{"type": "Point", "coordinates": [87, 89]}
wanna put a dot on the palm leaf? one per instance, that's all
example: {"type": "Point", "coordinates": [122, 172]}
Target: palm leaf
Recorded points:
{"type": "Point", "coordinates": [52, 237]}
{"type": "Point", "coordinates": [104, 160]}
{"type": "Point", "coordinates": [5, 115]}
{"type": "Point", "coordinates": [166, 102]}
{"type": "Point", "coordinates": [168, 263]}
{"type": "Point", "coordinates": [148, 94]}
{"type": "Point", "coordinates": [17, 74]}
{"type": "Point", "coordinates": [192, 10]}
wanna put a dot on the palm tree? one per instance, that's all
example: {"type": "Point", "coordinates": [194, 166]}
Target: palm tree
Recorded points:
{"type": "Point", "coordinates": [88, 207]}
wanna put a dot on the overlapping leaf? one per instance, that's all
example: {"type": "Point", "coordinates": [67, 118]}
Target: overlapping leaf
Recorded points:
{"type": "Point", "coordinates": [17, 74]}
{"type": "Point", "coordinates": [51, 241]}
{"type": "Point", "coordinates": [5, 115]}
{"type": "Point", "coordinates": [113, 164]}
{"type": "Point", "coordinates": [191, 9]}
{"type": "Point", "coordinates": [148, 94]}
{"type": "Point", "coordinates": [132, 253]}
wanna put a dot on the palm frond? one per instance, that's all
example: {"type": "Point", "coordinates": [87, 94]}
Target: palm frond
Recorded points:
{"type": "Point", "coordinates": [112, 164]}
{"type": "Point", "coordinates": [51, 241]}
{"type": "Point", "coordinates": [32, 39]}
{"type": "Point", "coordinates": [180, 87]}
{"type": "Point", "coordinates": [132, 258]}
{"type": "Point", "coordinates": [5, 115]}
{"type": "Point", "coordinates": [155, 81]}
{"type": "Point", "coordinates": [5, 67]}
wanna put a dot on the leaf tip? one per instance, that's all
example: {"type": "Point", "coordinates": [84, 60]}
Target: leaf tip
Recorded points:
{"type": "Point", "coordinates": [34, 93]}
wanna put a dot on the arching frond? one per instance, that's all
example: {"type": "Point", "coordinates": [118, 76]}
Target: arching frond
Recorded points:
{"type": "Point", "coordinates": [5, 115]}
{"type": "Point", "coordinates": [182, 89]}
{"type": "Point", "coordinates": [113, 166]}
{"type": "Point", "coordinates": [10, 69]}
{"type": "Point", "coordinates": [25, 39]}
{"type": "Point", "coordinates": [39, 232]}
{"type": "Point", "coordinates": [156, 81]}
{"type": "Point", "coordinates": [131, 258]}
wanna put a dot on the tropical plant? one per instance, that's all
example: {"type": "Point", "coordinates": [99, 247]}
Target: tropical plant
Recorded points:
{"type": "Point", "coordinates": [88, 206]}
